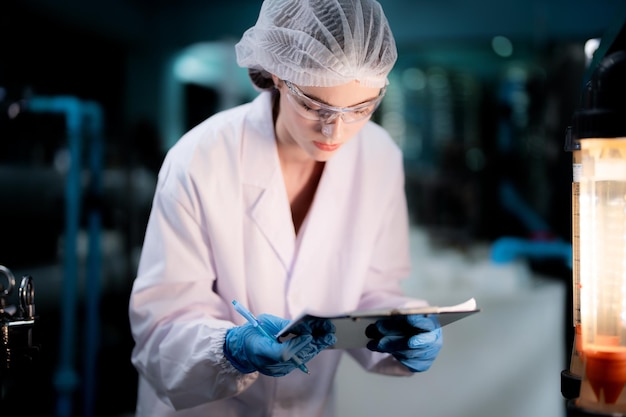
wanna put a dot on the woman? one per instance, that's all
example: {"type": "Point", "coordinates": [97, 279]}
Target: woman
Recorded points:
{"type": "Point", "coordinates": [292, 202]}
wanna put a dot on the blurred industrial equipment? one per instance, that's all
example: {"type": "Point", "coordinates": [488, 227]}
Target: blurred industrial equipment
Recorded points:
{"type": "Point", "coordinates": [67, 179]}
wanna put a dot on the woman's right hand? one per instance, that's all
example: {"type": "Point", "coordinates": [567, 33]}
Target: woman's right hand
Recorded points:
{"type": "Point", "coordinates": [250, 350]}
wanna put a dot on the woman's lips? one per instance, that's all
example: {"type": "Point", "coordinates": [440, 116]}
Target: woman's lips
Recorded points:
{"type": "Point", "coordinates": [328, 147]}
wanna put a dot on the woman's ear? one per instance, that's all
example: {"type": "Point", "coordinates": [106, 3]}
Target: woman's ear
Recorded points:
{"type": "Point", "coordinates": [277, 81]}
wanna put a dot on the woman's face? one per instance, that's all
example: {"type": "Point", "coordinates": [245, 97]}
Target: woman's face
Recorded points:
{"type": "Point", "coordinates": [299, 135]}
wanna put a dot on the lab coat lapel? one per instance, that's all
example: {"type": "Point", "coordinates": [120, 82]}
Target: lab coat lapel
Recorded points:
{"type": "Point", "coordinates": [264, 189]}
{"type": "Point", "coordinates": [329, 205]}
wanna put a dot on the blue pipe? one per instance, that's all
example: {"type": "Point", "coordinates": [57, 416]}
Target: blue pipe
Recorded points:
{"type": "Point", "coordinates": [94, 261]}
{"type": "Point", "coordinates": [66, 378]}
{"type": "Point", "coordinates": [513, 202]}
{"type": "Point", "coordinates": [508, 249]}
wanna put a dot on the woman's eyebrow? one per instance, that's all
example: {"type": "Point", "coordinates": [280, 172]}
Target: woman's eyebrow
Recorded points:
{"type": "Point", "coordinates": [319, 100]}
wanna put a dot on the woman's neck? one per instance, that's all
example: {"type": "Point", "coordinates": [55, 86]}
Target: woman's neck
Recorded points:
{"type": "Point", "coordinates": [301, 181]}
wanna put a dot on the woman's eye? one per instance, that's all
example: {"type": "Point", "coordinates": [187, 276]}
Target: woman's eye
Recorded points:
{"type": "Point", "coordinates": [365, 111]}
{"type": "Point", "coordinates": [305, 106]}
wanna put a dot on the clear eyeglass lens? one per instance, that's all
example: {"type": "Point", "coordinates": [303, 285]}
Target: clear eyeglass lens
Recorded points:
{"type": "Point", "coordinates": [313, 110]}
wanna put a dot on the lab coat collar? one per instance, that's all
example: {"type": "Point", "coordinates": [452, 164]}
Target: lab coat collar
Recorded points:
{"type": "Point", "coordinates": [264, 189]}
{"type": "Point", "coordinates": [263, 185]}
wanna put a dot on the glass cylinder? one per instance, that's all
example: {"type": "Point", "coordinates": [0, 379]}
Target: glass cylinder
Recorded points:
{"type": "Point", "coordinates": [603, 274]}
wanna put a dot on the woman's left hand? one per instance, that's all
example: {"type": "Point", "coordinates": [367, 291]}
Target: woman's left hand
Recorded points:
{"type": "Point", "coordinates": [414, 340]}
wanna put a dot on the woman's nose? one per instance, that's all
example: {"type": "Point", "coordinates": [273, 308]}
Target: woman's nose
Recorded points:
{"type": "Point", "coordinates": [333, 129]}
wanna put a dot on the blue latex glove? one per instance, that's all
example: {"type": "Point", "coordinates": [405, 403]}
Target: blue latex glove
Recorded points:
{"type": "Point", "coordinates": [322, 330]}
{"type": "Point", "coordinates": [414, 340]}
{"type": "Point", "coordinates": [249, 350]}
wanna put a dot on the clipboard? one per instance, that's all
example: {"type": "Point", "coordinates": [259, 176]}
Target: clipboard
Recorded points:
{"type": "Point", "coordinates": [350, 327]}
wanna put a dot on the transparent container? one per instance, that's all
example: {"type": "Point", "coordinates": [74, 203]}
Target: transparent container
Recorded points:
{"type": "Point", "coordinates": [603, 274]}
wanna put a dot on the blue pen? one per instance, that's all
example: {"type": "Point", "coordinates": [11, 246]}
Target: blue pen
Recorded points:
{"type": "Point", "coordinates": [253, 321]}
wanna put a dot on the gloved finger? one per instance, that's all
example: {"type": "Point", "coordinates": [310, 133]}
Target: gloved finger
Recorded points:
{"type": "Point", "coordinates": [325, 341]}
{"type": "Point", "coordinates": [272, 324]}
{"type": "Point", "coordinates": [425, 346]}
{"type": "Point", "coordinates": [423, 322]}
{"type": "Point", "coordinates": [322, 330]}
{"type": "Point", "coordinates": [293, 346]}
{"type": "Point", "coordinates": [314, 327]}
{"type": "Point", "coordinates": [249, 350]}
{"type": "Point", "coordinates": [372, 332]}
{"type": "Point", "coordinates": [424, 351]}
{"type": "Point", "coordinates": [384, 327]}
{"type": "Point", "coordinates": [402, 325]}
{"type": "Point", "coordinates": [389, 344]}
{"type": "Point", "coordinates": [427, 353]}
{"type": "Point", "coordinates": [397, 343]}
{"type": "Point", "coordinates": [424, 339]}
{"type": "Point", "coordinates": [417, 364]}
{"type": "Point", "coordinates": [389, 326]}
{"type": "Point", "coordinates": [273, 358]}
{"type": "Point", "coordinates": [321, 327]}
{"type": "Point", "coordinates": [301, 328]}
{"type": "Point", "coordinates": [309, 351]}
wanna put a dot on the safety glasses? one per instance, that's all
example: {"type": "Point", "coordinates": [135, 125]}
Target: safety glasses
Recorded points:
{"type": "Point", "coordinates": [312, 109]}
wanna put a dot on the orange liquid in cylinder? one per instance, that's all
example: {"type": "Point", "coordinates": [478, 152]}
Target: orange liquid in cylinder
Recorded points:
{"type": "Point", "coordinates": [606, 371]}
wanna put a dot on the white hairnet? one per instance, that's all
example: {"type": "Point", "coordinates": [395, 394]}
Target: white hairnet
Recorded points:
{"type": "Point", "coordinates": [321, 43]}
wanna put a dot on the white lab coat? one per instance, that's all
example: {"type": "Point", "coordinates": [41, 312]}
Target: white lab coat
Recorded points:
{"type": "Point", "coordinates": [221, 229]}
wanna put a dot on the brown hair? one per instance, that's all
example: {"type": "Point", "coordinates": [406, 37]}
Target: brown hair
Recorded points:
{"type": "Point", "coordinates": [261, 79]}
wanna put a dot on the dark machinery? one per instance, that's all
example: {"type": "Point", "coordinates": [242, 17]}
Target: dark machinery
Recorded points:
{"type": "Point", "coordinates": [18, 350]}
